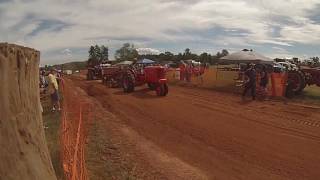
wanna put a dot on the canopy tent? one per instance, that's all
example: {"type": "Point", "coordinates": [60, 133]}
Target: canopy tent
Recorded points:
{"type": "Point", "coordinates": [145, 61]}
{"type": "Point", "coordinates": [124, 63]}
{"type": "Point", "coordinates": [189, 60]}
{"type": "Point", "coordinates": [246, 56]}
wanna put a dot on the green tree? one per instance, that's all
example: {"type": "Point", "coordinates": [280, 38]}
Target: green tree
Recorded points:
{"type": "Point", "coordinates": [97, 52]}
{"type": "Point", "coordinates": [224, 53]}
{"type": "Point", "coordinates": [204, 58]}
{"type": "Point", "coordinates": [104, 53]}
{"type": "Point", "coordinates": [187, 54]}
{"type": "Point", "coordinates": [178, 57]}
{"type": "Point", "coordinates": [315, 60]}
{"type": "Point", "coordinates": [126, 52]}
{"type": "Point", "coordinates": [218, 55]}
{"type": "Point", "coordinates": [221, 54]}
{"type": "Point", "coordinates": [92, 54]}
{"type": "Point", "coordinates": [169, 54]}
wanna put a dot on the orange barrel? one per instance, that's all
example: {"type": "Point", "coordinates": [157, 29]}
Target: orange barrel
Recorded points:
{"type": "Point", "coordinates": [279, 81]}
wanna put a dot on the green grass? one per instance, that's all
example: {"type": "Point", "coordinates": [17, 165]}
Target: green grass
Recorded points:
{"type": "Point", "coordinates": [224, 81]}
{"type": "Point", "coordinates": [51, 122]}
{"type": "Point", "coordinates": [310, 94]}
{"type": "Point", "coordinates": [103, 159]}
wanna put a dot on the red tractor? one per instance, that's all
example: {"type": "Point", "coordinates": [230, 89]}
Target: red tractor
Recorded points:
{"type": "Point", "coordinates": [153, 76]}
{"type": "Point", "coordinates": [312, 75]}
{"type": "Point", "coordinates": [94, 69]}
{"type": "Point", "coordinates": [93, 73]}
{"type": "Point", "coordinates": [300, 78]}
{"type": "Point", "coordinates": [112, 76]}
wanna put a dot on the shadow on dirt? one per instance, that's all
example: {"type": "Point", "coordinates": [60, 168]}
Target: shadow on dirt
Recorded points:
{"type": "Point", "coordinates": [245, 101]}
{"type": "Point", "coordinates": [119, 93]}
{"type": "Point", "coordinates": [143, 93]}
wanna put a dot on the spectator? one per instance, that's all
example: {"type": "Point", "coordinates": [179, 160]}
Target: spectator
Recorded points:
{"type": "Point", "coordinates": [58, 76]}
{"type": "Point", "coordinates": [43, 82]}
{"type": "Point", "coordinates": [264, 81]}
{"type": "Point", "coordinates": [250, 84]}
{"type": "Point", "coordinates": [53, 90]}
{"type": "Point", "coordinates": [188, 70]}
{"type": "Point", "coordinates": [183, 73]}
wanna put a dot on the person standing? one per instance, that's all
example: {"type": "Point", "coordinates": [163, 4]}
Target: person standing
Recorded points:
{"type": "Point", "coordinates": [53, 90]}
{"type": "Point", "coordinates": [189, 71]}
{"type": "Point", "coordinates": [182, 71]}
{"type": "Point", "coordinates": [250, 84]}
{"type": "Point", "coordinates": [264, 81]}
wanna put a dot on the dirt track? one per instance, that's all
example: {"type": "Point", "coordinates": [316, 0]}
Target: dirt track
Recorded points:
{"type": "Point", "coordinates": [200, 134]}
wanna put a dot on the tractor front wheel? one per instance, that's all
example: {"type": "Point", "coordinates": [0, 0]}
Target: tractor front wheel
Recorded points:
{"type": "Point", "coordinates": [152, 86]}
{"type": "Point", "coordinates": [112, 83]}
{"type": "Point", "coordinates": [104, 80]}
{"type": "Point", "coordinates": [90, 75]}
{"type": "Point", "coordinates": [162, 90]}
{"type": "Point", "coordinates": [127, 85]}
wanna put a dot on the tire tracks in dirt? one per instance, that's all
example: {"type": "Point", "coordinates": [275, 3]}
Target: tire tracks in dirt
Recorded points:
{"type": "Point", "coordinates": [155, 163]}
{"type": "Point", "coordinates": [217, 135]}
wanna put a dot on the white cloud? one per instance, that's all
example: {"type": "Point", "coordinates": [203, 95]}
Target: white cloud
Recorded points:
{"type": "Point", "coordinates": [67, 52]}
{"type": "Point", "coordinates": [307, 34]}
{"type": "Point", "coordinates": [275, 42]}
{"type": "Point", "coordinates": [145, 51]}
{"type": "Point", "coordinates": [144, 23]}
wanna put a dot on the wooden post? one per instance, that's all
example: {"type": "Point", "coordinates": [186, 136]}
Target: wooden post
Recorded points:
{"type": "Point", "coordinates": [23, 149]}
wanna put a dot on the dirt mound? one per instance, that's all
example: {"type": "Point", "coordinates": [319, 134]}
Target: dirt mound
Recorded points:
{"type": "Point", "coordinates": [23, 153]}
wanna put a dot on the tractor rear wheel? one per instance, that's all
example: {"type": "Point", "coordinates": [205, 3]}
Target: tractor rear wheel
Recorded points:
{"type": "Point", "coordinates": [165, 89]}
{"type": "Point", "coordinates": [297, 81]}
{"type": "Point", "coordinates": [290, 90]}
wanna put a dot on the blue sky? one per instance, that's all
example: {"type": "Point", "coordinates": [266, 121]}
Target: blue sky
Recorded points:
{"type": "Point", "coordinates": [64, 29]}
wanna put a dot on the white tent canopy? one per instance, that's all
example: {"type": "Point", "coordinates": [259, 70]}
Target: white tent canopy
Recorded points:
{"type": "Point", "coordinates": [145, 61]}
{"type": "Point", "coordinates": [246, 56]}
{"type": "Point", "coordinates": [125, 63]}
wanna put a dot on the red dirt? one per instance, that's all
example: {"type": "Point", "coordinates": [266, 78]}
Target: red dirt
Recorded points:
{"type": "Point", "coordinates": [201, 134]}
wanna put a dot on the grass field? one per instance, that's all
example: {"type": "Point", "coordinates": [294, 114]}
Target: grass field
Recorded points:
{"type": "Point", "coordinates": [310, 94]}
{"type": "Point", "coordinates": [211, 79]}
{"type": "Point", "coordinates": [103, 159]}
{"type": "Point", "coordinates": [51, 122]}
{"type": "Point", "coordinates": [224, 81]}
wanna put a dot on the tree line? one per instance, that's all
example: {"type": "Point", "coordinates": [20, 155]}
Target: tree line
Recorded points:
{"type": "Point", "coordinates": [187, 55]}
{"type": "Point", "coordinates": [315, 61]}
{"type": "Point", "coordinates": [100, 53]}
{"type": "Point", "coordinates": [128, 52]}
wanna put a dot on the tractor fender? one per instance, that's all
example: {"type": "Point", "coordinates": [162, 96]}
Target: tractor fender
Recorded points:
{"type": "Point", "coordinates": [162, 81]}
